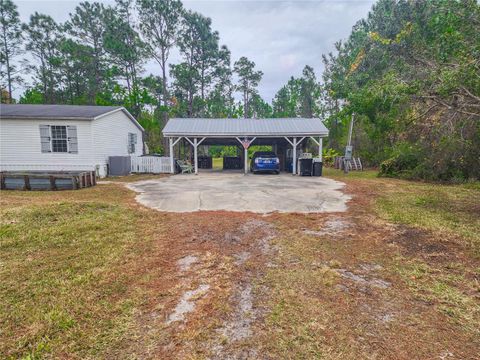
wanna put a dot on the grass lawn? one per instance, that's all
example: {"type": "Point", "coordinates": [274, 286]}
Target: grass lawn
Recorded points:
{"type": "Point", "coordinates": [66, 270]}
{"type": "Point", "coordinates": [91, 274]}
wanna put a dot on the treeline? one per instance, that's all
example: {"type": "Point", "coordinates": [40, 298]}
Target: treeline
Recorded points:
{"type": "Point", "coordinates": [98, 57]}
{"type": "Point", "coordinates": [410, 72]}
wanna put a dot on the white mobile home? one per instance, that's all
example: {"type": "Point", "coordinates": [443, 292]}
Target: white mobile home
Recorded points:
{"type": "Point", "coordinates": [66, 137]}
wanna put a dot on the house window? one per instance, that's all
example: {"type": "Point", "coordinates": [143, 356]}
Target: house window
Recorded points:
{"type": "Point", "coordinates": [132, 140]}
{"type": "Point", "coordinates": [59, 138]}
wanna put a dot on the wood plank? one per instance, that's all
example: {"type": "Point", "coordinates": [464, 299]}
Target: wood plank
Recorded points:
{"type": "Point", "coordinates": [53, 186]}
{"type": "Point", "coordinates": [26, 184]}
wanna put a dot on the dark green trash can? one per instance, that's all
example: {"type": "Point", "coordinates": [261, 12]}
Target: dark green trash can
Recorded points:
{"type": "Point", "coordinates": [317, 168]}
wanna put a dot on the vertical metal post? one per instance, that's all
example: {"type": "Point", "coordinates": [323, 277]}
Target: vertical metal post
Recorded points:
{"type": "Point", "coordinates": [294, 164]}
{"type": "Point", "coordinates": [350, 131]}
{"type": "Point", "coordinates": [246, 160]}
{"type": "Point", "coordinates": [195, 154]}
{"type": "Point", "coordinates": [172, 168]}
{"type": "Point", "coordinates": [320, 148]}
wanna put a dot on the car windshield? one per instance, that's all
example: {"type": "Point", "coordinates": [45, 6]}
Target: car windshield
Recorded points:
{"type": "Point", "coordinates": [265, 154]}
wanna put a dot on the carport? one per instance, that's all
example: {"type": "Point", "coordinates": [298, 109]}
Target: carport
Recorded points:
{"type": "Point", "coordinates": [279, 132]}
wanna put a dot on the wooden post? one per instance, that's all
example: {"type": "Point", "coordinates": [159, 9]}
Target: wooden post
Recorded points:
{"type": "Point", "coordinates": [320, 148]}
{"type": "Point", "coordinates": [26, 184]}
{"type": "Point", "coordinates": [195, 154]}
{"type": "Point", "coordinates": [94, 177]}
{"type": "Point", "coordinates": [53, 186]}
{"type": "Point", "coordinates": [246, 144]}
{"type": "Point", "coordinates": [2, 181]}
{"type": "Point", "coordinates": [294, 164]}
{"type": "Point", "coordinates": [246, 160]}
{"type": "Point", "coordinates": [170, 143]}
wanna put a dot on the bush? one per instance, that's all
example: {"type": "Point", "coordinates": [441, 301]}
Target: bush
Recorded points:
{"type": "Point", "coordinates": [404, 162]}
{"type": "Point", "coordinates": [328, 156]}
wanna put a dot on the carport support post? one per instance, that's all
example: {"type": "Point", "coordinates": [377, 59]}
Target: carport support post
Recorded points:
{"type": "Point", "coordinates": [320, 148]}
{"type": "Point", "coordinates": [172, 165]}
{"type": "Point", "coordinates": [246, 144]}
{"type": "Point", "coordinates": [294, 164]}
{"type": "Point", "coordinates": [195, 156]}
{"type": "Point", "coordinates": [246, 159]}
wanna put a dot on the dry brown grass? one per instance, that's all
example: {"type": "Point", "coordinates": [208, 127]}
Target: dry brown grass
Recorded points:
{"type": "Point", "coordinates": [92, 274]}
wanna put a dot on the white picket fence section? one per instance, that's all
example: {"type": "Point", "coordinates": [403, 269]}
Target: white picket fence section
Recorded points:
{"type": "Point", "coordinates": [150, 164]}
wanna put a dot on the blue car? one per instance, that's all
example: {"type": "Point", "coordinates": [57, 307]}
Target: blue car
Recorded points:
{"type": "Point", "coordinates": [265, 161]}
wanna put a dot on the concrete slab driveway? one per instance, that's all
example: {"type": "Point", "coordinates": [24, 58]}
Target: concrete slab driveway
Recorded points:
{"type": "Point", "coordinates": [238, 192]}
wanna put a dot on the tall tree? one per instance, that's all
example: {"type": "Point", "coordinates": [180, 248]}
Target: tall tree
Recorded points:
{"type": "Point", "coordinates": [159, 22]}
{"type": "Point", "coordinates": [220, 101]}
{"type": "Point", "coordinates": [310, 93]}
{"type": "Point", "coordinates": [124, 47]}
{"type": "Point", "coordinates": [11, 41]}
{"type": "Point", "coordinates": [76, 68]}
{"type": "Point", "coordinates": [410, 72]}
{"type": "Point", "coordinates": [200, 51]}
{"type": "Point", "coordinates": [285, 103]}
{"type": "Point", "coordinates": [43, 36]}
{"type": "Point", "coordinates": [87, 24]}
{"type": "Point", "coordinates": [248, 81]}
{"type": "Point", "coordinates": [299, 97]}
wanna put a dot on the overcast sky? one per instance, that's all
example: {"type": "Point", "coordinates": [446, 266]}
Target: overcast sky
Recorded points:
{"type": "Point", "coordinates": [281, 37]}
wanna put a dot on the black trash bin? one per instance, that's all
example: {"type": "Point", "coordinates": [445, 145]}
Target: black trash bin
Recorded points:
{"type": "Point", "coordinates": [306, 167]}
{"type": "Point", "coordinates": [317, 168]}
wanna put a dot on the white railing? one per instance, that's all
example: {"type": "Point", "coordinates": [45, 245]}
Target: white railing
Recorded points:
{"type": "Point", "coordinates": [150, 164]}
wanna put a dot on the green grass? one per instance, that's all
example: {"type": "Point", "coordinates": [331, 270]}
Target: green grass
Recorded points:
{"type": "Point", "coordinates": [59, 289]}
{"type": "Point", "coordinates": [450, 210]}
{"type": "Point", "coordinates": [340, 175]}
{"type": "Point", "coordinates": [453, 209]}
{"type": "Point", "coordinates": [443, 286]}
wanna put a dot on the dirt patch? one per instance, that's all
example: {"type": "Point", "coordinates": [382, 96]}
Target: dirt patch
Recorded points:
{"type": "Point", "coordinates": [186, 262]}
{"type": "Point", "coordinates": [187, 303]}
{"type": "Point", "coordinates": [333, 226]}
{"type": "Point", "coordinates": [420, 243]}
{"type": "Point", "coordinates": [363, 279]}
{"type": "Point", "coordinates": [234, 340]}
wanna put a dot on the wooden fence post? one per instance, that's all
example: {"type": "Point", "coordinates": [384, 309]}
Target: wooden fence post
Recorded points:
{"type": "Point", "coordinates": [26, 184]}
{"type": "Point", "coordinates": [53, 186]}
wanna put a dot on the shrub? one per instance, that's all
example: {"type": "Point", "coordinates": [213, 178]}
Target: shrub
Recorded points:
{"type": "Point", "coordinates": [404, 162]}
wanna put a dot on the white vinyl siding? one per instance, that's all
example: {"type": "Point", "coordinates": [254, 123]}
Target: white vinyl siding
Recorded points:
{"type": "Point", "coordinates": [110, 136]}
{"type": "Point", "coordinates": [26, 144]}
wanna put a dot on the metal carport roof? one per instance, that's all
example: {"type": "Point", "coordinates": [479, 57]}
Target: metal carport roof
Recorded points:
{"type": "Point", "coordinates": [275, 127]}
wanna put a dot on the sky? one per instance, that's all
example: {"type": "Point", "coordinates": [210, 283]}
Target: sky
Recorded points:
{"type": "Point", "coordinates": [281, 37]}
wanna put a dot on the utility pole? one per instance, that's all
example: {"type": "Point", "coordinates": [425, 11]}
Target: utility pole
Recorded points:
{"type": "Point", "coordinates": [349, 148]}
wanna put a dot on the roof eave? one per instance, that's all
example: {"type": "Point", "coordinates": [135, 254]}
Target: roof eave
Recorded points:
{"type": "Point", "coordinates": [171, 134]}
{"type": "Point", "coordinates": [69, 118]}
